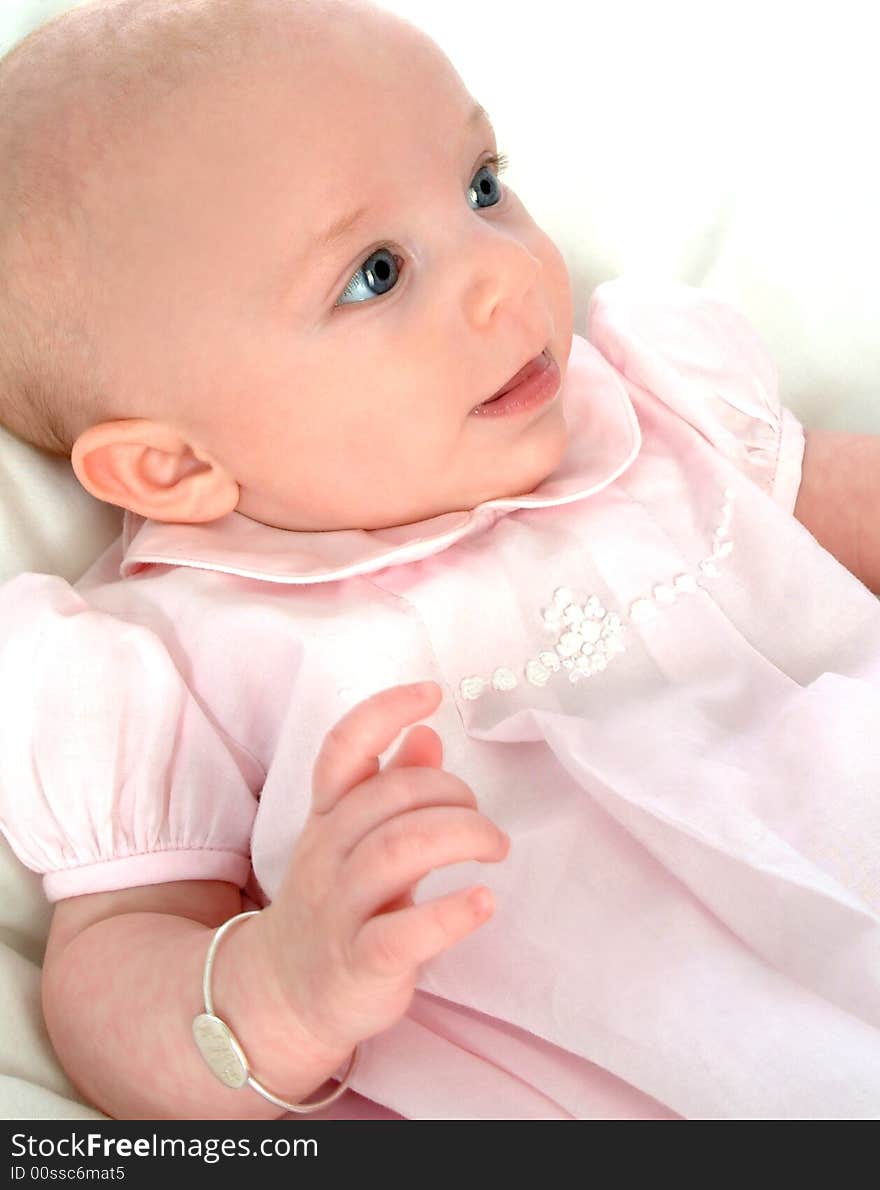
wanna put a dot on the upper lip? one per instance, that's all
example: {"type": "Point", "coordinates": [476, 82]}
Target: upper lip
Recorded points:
{"type": "Point", "coordinates": [504, 384]}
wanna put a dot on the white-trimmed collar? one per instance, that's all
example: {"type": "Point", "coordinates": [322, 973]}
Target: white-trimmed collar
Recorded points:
{"type": "Point", "coordinates": [604, 439]}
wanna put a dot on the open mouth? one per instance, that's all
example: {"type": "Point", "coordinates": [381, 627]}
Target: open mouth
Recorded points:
{"type": "Point", "coordinates": [533, 384]}
{"type": "Point", "coordinates": [532, 368]}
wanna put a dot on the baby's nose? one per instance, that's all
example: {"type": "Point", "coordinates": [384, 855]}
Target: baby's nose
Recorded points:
{"type": "Point", "coordinates": [502, 275]}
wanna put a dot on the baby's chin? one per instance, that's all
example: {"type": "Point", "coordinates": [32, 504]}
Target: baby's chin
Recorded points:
{"type": "Point", "coordinates": [551, 438]}
{"type": "Point", "coordinates": [546, 456]}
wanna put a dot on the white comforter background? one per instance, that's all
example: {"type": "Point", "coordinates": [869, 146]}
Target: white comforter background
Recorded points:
{"type": "Point", "coordinates": [725, 144]}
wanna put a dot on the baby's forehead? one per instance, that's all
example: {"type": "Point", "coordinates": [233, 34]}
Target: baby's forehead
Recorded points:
{"type": "Point", "coordinates": [336, 95]}
{"type": "Point", "coordinates": [184, 96]}
{"type": "Point", "coordinates": [124, 59]}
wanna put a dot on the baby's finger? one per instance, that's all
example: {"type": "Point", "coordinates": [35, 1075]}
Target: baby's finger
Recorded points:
{"type": "Point", "coordinates": [390, 794]}
{"type": "Point", "coordinates": [421, 747]}
{"type": "Point", "coordinates": [393, 943]}
{"type": "Point", "coordinates": [402, 851]}
{"type": "Point", "coordinates": [351, 749]}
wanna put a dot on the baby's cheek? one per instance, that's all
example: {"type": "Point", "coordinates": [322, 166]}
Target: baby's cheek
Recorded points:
{"type": "Point", "coordinates": [558, 289]}
{"type": "Point", "coordinates": [558, 273]}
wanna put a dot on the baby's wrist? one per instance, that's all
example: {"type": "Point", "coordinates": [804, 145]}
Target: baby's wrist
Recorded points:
{"type": "Point", "coordinates": [282, 1052]}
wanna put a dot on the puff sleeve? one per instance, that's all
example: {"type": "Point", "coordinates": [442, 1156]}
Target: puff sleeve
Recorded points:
{"type": "Point", "coordinates": [706, 362]}
{"type": "Point", "coordinates": [112, 774]}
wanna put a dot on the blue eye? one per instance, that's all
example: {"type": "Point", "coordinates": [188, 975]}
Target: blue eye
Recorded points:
{"type": "Point", "coordinates": [380, 271]}
{"type": "Point", "coordinates": [485, 190]}
{"type": "Point", "coordinates": [376, 276]}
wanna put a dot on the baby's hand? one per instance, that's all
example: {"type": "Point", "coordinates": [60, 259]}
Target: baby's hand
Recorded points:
{"type": "Point", "coordinates": [346, 937]}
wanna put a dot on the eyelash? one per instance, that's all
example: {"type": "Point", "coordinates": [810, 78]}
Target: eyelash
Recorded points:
{"type": "Point", "coordinates": [498, 161]}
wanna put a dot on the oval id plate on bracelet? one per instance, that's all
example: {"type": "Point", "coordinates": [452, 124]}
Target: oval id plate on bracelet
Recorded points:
{"type": "Point", "coordinates": [220, 1050]}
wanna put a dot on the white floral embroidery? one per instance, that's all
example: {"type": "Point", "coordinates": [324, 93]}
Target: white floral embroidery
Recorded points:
{"type": "Point", "coordinates": [587, 636]}
{"type": "Point", "coordinates": [504, 679]}
{"type": "Point", "coordinates": [663, 594]}
{"type": "Point", "coordinates": [472, 687]}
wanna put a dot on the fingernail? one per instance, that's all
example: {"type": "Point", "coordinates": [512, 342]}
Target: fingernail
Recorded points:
{"type": "Point", "coordinates": [422, 688]}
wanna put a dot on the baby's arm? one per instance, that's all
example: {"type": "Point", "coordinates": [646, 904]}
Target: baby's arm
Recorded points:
{"type": "Point", "coordinates": [839, 498]}
{"type": "Point", "coordinates": [122, 982]}
{"type": "Point", "coordinates": [333, 960]}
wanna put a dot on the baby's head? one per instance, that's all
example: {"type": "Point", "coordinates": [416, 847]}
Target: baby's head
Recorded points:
{"type": "Point", "coordinates": [257, 259]}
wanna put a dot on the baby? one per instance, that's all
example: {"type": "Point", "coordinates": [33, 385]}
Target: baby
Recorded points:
{"type": "Point", "coordinates": [264, 286]}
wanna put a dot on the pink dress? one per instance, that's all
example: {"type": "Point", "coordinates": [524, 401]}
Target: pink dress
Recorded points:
{"type": "Point", "coordinates": [655, 680]}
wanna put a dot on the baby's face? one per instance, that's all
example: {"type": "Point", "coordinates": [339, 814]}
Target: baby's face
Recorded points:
{"type": "Point", "coordinates": [317, 280]}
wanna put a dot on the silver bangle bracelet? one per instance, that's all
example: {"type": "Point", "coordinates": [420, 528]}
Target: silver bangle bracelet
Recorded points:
{"type": "Point", "coordinates": [222, 1052]}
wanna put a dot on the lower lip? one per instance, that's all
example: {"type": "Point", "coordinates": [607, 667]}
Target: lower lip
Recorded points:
{"type": "Point", "coordinates": [538, 389]}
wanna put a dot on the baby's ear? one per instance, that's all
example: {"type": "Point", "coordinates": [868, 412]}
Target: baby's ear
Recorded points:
{"type": "Point", "coordinates": [148, 468]}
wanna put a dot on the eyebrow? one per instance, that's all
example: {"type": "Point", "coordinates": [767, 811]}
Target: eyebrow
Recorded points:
{"type": "Point", "coordinates": [328, 239]}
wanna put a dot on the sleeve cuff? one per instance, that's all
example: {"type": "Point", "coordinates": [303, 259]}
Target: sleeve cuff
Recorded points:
{"type": "Point", "coordinates": [156, 867]}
